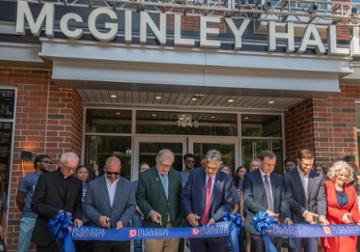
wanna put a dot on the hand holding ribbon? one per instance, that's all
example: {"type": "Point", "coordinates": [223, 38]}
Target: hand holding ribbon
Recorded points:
{"type": "Point", "coordinates": [61, 227]}
{"type": "Point", "coordinates": [235, 226]}
{"type": "Point", "coordinates": [262, 223]}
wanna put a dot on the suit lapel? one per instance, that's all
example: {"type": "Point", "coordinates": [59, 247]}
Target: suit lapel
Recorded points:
{"type": "Point", "coordinates": [105, 191]}
{"type": "Point", "coordinates": [158, 182]}
{"type": "Point", "coordinates": [298, 181]}
{"type": "Point", "coordinates": [201, 184]}
{"type": "Point", "coordinates": [57, 176]}
{"type": "Point", "coordinates": [274, 188]}
{"type": "Point", "coordinates": [117, 193]}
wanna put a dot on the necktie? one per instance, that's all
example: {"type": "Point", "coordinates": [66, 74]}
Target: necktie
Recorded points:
{"type": "Point", "coordinates": [268, 194]}
{"type": "Point", "coordinates": [165, 184]}
{"type": "Point", "coordinates": [205, 216]}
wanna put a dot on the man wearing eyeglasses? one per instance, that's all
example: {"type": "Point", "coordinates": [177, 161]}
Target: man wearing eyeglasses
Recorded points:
{"type": "Point", "coordinates": [159, 198]}
{"type": "Point", "coordinates": [24, 196]}
{"type": "Point", "coordinates": [54, 192]}
{"type": "Point", "coordinates": [110, 203]}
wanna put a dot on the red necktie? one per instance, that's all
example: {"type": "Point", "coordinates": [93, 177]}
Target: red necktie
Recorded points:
{"type": "Point", "coordinates": [205, 216]}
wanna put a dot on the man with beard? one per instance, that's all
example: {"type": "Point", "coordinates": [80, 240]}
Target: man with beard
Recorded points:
{"type": "Point", "coordinates": [24, 196]}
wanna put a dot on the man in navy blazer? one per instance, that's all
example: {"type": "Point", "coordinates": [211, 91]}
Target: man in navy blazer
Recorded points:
{"type": "Point", "coordinates": [307, 198]}
{"type": "Point", "coordinates": [110, 203]}
{"type": "Point", "coordinates": [207, 195]}
{"type": "Point", "coordinates": [265, 191]}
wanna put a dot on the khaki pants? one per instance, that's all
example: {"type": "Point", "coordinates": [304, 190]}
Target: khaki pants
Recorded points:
{"type": "Point", "coordinates": [161, 245]}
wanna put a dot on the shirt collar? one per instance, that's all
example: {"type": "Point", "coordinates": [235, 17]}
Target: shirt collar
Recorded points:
{"type": "Point", "coordinates": [263, 174]}
{"type": "Point", "coordinates": [302, 173]}
{"type": "Point", "coordinates": [108, 181]}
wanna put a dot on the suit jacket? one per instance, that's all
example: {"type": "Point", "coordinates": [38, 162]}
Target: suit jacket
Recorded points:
{"type": "Point", "coordinates": [315, 202]}
{"type": "Point", "coordinates": [48, 200]}
{"type": "Point", "coordinates": [335, 214]}
{"type": "Point", "coordinates": [255, 196]}
{"type": "Point", "coordinates": [97, 201]}
{"type": "Point", "coordinates": [194, 194]}
{"type": "Point", "coordinates": [150, 195]}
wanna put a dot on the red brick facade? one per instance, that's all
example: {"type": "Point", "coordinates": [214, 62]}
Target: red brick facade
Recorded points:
{"type": "Point", "coordinates": [48, 120]}
{"type": "Point", "coordinates": [325, 125]}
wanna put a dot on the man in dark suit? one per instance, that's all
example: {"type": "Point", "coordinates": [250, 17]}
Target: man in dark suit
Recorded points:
{"type": "Point", "coordinates": [159, 197]}
{"type": "Point", "coordinates": [265, 191]}
{"type": "Point", "coordinates": [54, 192]}
{"type": "Point", "coordinates": [110, 203]}
{"type": "Point", "coordinates": [207, 195]}
{"type": "Point", "coordinates": [306, 198]}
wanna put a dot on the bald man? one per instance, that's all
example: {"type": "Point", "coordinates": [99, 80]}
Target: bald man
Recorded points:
{"type": "Point", "coordinates": [110, 203]}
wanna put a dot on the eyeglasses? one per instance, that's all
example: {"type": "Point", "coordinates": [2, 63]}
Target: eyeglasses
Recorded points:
{"type": "Point", "coordinates": [112, 173]}
{"type": "Point", "coordinates": [165, 165]}
{"type": "Point", "coordinates": [46, 161]}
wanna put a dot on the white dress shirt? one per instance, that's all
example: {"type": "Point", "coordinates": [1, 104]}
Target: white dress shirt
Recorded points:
{"type": "Point", "coordinates": [304, 181]}
{"type": "Point", "coordinates": [111, 187]}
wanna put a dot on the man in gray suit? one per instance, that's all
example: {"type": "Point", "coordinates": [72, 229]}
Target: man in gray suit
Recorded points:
{"type": "Point", "coordinates": [110, 203]}
{"type": "Point", "coordinates": [307, 199]}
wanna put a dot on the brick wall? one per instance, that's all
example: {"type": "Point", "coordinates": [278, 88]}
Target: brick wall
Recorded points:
{"type": "Point", "coordinates": [48, 120]}
{"type": "Point", "coordinates": [325, 125]}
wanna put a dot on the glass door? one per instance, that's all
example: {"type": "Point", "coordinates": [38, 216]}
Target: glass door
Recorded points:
{"type": "Point", "coordinates": [148, 147]}
{"type": "Point", "coordinates": [227, 147]}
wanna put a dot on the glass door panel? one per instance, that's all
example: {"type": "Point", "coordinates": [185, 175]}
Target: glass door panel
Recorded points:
{"type": "Point", "coordinates": [226, 149]}
{"type": "Point", "coordinates": [252, 148]}
{"type": "Point", "coordinates": [99, 148]}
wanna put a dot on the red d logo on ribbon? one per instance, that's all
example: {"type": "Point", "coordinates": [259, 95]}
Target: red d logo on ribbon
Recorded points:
{"type": "Point", "coordinates": [195, 232]}
{"type": "Point", "coordinates": [327, 230]}
{"type": "Point", "coordinates": [132, 233]}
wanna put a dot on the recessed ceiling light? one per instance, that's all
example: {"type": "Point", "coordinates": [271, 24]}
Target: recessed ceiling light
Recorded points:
{"type": "Point", "coordinates": [117, 113]}
{"type": "Point", "coordinates": [212, 117]}
{"type": "Point", "coordinates": [153, 115]}
{"type": "Point", "coordinates": [271, 102]}
{"type": "Point", "coordinates": [194, 98]}
{"type": "Point", "coordinates": [246, 118]}
{"type": "Point", "coordinates": [158, 97]}
{"type": "Point", "coordinates": [113, 96]}
{"type": "Point", "coordinates": [231, 100]}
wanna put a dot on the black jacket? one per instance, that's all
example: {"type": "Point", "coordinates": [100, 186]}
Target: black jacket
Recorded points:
{"type": "Point", "coordinates": [49, 198]}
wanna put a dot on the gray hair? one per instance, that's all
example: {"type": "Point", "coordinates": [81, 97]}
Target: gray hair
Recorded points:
{"type": "Point", "coordinates": [165, 152]}
{"type": "Point", "coordinates": [213, 156]}
{"type": "Point", "coordinates": [267, 154]}
{"type": "Point", "coordinates": [69, 156]}
{"type": "Point", "coordinates": [337, 167]}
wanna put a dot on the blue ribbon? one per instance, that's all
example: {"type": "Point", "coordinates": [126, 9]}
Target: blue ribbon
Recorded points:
{"type": "Point", "coordinates": [61, 227]}
{"type": "Point", "coordinates": [263, 223]}
{"type": "Point", "coordinates": [236, 225]}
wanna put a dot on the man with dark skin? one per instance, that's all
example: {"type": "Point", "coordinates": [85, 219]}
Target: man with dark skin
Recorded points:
{"type": "Point", "coordinates": [24, 195]}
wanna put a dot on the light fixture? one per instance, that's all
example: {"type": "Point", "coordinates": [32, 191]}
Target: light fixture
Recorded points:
{"type": "Point", "coordinates": [231, 100]}
{"type": "Point", "coordinates": [212, 117]}
{"type": "Point", "coordinates": [113, 96]}
{"type": "Point", "coordinates": [158, 97]}
{"type": "Point", "coordinates": [271, 102]}
{"type": "Point", "coordinates": [154, 115]}
{"type": "Point", "coordinates": [194, 98]}
{"type": "Point", "coordinates": [26, 155]}
{"type": "Point", "coordinates": [117, 113]}
{"type": "Point", "coordinates": [246, 118]}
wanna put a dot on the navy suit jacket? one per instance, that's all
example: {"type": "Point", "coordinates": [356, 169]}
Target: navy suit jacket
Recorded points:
{"type": "Point", "coordinates": [255, 196]}
{"type": "Point", "coordinates": [316, 200]}
{"type": "Point", "coordinates": [193, 200]}
{"type": "Point", "coordinates": [97, 201]}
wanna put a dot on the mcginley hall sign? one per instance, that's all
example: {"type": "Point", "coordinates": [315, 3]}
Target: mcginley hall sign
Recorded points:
{"type": "Point", "coordinates": [45, 20]}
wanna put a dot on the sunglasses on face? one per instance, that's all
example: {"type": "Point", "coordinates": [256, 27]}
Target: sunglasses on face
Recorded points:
{"type": "Point", "coordinates": [112, 173]}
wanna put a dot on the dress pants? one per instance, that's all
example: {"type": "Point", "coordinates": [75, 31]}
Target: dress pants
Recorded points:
{"type": "Point", "coordinates": [208, 244]}
{"type": "Point", "coordinates": [111, 246]}
{"type": "Point", "coordinates": [257, 243]}
{"type": "Point", "coordinates": [52, 247]}
{"type": "Point", "coordinates": [309, 245]}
